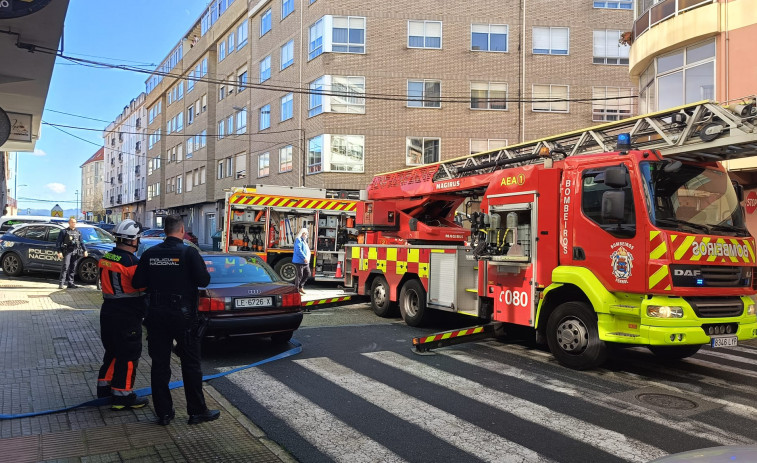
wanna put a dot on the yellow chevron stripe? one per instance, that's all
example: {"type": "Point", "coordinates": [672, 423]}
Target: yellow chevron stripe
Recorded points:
{"type": "Point", "coordinates": [705, 241]}
{"type": "Point", "coordinates": [659, 251]}
{"type": "Point", "coordinates": [712, 258]}
{"type": "Point", "coordinates": [683, 247]}
{"type": "Point", "coordinates": [751, 252]}
{"type": "Point", "coordinates": [657, 276]}
{"type": "Point", "coordinates": [653, 234]}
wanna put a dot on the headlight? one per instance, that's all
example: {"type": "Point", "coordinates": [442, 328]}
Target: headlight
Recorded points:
{"type": "Point", "coordinates": [751, 309]}
{"type": "Point", "coordinates": [664, 311]}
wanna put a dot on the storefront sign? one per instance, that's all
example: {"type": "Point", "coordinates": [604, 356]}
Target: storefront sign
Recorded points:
{"type": "Point", "coordinates": [21, 126]}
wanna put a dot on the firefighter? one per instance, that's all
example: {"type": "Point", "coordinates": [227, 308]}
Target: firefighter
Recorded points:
{"type": "Point", "coordinates": [121, 319]}
{"type": "Point", "coordinates": [70, 248]}
{"type": "Point", "coordinates": [172, 272]}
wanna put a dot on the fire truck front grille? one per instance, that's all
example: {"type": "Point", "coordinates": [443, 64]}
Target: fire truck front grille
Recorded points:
{"type": "Point", "coordinates": [711, 276]}
{"type": "Point", "coordinates": [714, 307]}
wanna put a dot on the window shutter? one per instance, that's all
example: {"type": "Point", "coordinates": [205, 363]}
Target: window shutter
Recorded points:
{"type": "Point", "coordinates": [541, 38]}
{"type": "Point", "coordinates": [560, 39]}
{"type": "Point", "coordinates": [599, 44]}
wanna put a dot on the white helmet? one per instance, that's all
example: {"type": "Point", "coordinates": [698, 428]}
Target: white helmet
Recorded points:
{"type": "Point", "coordinates": [127, 230]}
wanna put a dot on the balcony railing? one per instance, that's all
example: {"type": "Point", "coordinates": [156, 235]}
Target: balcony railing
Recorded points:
{"type": "Point", "coordinates": [656, 11]}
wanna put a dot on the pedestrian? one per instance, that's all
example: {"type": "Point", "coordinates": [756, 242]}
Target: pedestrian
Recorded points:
{"type": "Point", "coordinates": [121, 318]}
{"type": "Point", "coordinates": [171, 272]}
{"type": "Point", "coordinates": [301, 259]}
{"type": "Point", "coordinates": [70, 248]}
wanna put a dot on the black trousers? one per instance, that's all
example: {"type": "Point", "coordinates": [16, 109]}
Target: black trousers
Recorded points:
{"type": "Point", "coordinates": [69, 268]}
{"type": "Point", "coordinates": [302, 276]}
{"type": "Point", "coordinates": [121, 335]}
{"type": "Point", "coordinates": [164, 325]}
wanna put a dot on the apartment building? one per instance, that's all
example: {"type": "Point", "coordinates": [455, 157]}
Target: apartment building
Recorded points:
{"type": "Point", "coordinates": [125, 162]}
{"type": "Point", "coordinates": [92, 187]}
{"type": "Point", "coordinates": [685, 51]}
{"type": "Point", "coordinates": [326, 94]}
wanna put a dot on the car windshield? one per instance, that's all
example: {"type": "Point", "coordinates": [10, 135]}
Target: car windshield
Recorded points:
{"type": "Point", "coordinates": [95, 235]}
{"type": "Point", "coordinates": [692, 198]}
{"type": "Point", "coordinates": [225, 269]}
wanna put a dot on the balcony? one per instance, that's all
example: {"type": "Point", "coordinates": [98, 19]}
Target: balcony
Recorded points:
{"type": "Point", "coordinates": [658, 11]}
{"type": "Point", "coordinates": [136, 195]}
{"type": "Point", "coordinates": [119, 199]}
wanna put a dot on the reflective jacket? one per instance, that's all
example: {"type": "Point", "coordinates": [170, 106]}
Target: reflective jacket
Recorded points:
{"type": "Point", "coordinates": [117, 269]}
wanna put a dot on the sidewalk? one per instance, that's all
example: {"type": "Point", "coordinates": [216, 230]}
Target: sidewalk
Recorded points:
{"type": "Point", "coordinates": [50, 352]}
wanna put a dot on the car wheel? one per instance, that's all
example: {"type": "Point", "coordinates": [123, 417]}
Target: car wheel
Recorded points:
{"type": "Point", "coordinates": [88, 271]}
{"type": "Point", "coordinates": [380, 302]}
{"type": "Point", "coordinates": [12, 265]}
{"type": "Point", "coordinates": [573, 337]}
{"type": "Point", "coordinates": [413, 303]}
{"type": "Point", "coordinates": [674, 352]}
{"type": "Point", "coordinates": [281, 338]}
{"type": "Point", "coordinates": [286, 269]}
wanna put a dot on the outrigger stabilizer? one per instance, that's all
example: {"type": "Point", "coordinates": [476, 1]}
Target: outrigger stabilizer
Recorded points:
{"type": "Point", "coordinates": [424, 344]}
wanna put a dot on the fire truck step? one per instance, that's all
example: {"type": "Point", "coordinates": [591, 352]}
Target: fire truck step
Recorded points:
{"type": "Point", "coordinates": [424, 344]}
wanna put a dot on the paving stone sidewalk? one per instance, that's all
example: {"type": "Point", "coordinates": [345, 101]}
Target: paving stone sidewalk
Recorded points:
{"type": "Point", "coordinates": [50, 352]}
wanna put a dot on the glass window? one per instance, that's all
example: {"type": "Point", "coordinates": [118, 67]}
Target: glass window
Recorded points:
{"type": "Point", "coordinates": [287, 7]}
{"type": "Point", "coordinates": [287, 54]}
{"type": "Point", "coordinates": [221, 51]}
{"type": "Point", "coordinates": [700, 82]}
{"type": "Point", "coordinates": [489, 37]}
{"type": "Point", "coordinates": [220, 129]}
{"type": "Point", "coordinates": [265, 69]}
{"type": "Point", "coordinates": [424, 34]}
{"type": "Point", "coordinates": [700, 52]}
{"type": "Point", "coordinates": [265, 117]}
{"type": "Point", "coordinates": [421, 150]}
{"type": "Point", "coordinates": [424, 93]}
{"type": "Point", "coordinates": [315, 154]}
{"type": "Point", "coordinates": [226, 270]}
{"type": "Point", "coordinates": [315, 105]}
{"type": "Point", "coordinates": [593, 195]}
{"type": "Point", "coordinates": [607, 48]}
{"type": "Point", "coordinates": [611, 103]}
{"type": "Point", "coordinates": [669, 88]}
{"type": "Point", "coordinates": [285, 159]}
{"type": "Point", "coordinates": [615, 4]}
{"type": "Point", "coordinates": [242, 79]}
{"type": "Point", "coordinates": [488, 95]}
{"type": "Point", "coordinates": [230, 42]}
{"type": "Point", "coordinates": [242, 121]}
{"type": "Point", "coordinates": [315, 46]}
{"type": "Point", "coordinates": [480, 145]}
{"type": "Point", "coordinates": [265, 22]}
{"type": "Point", "coordinates": [348, 34]}
{"type": "Point", "coordinates": [346, 94]}
{"type": "Point", "coordinates": [229, 167]}
{"type": "Point", "coordinates": [286, 107]}
{"type": "Point", "coordinates": [346, 154]}
{"type": "Point", "coordinates": [551, 40]}
{"type": "Point", "coordinates": [230, 124]}
{"type": "Point", "coordinates": [36, 233]}
{"type": "Point", "coordinates": [550, 98]}
{"type": "Point", "coordinates": [242, 32]}
{"type": "Point", "coordinates": [241, 162]}
{"type": "Point", "coordinates": [263, 164]}
{"type": "Point", "coordinates": [670, 61]}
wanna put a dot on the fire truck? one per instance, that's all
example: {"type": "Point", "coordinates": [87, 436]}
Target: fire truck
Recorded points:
{"type": "Point", "coordinates": [265, 219]}
{"type": "Point", "coordinates": [627, 234]}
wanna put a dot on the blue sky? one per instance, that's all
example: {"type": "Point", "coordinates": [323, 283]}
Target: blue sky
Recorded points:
{"type": "Point", "coordinates": [123, 31]}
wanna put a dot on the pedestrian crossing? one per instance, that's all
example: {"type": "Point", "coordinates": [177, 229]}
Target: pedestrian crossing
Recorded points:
{"type": "Point", "coordinates": [495, 402]}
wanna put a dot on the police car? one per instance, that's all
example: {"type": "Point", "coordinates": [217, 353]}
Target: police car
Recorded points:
{"type": "Point", "coordinates": [31, 247]}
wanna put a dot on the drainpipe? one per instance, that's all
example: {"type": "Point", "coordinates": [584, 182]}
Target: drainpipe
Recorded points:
{"type": "Point", "coordinates": [521, 94]}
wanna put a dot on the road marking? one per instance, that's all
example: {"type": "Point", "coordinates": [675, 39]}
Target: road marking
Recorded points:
{"type": "Point", "coordinates": [610, 441]}
{"type": "Point", "coordinates": [325, 431]}
{"type": "Point", "coordinates": [734, 358]}
{"type": "Point", "coordinates": [694, 428]}
{"type": "Point", "coordinates": [477, 441]}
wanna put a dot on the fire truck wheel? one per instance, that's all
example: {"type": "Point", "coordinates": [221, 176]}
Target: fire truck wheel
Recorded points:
{"type": "Point", "coordinates": [573, 337]}
{"type": "Point", "coordinates": [413, 303]}
{"type": "Point", "coordinates": [380, 302]}
{"type": "Point", "coordinates": [674, 352]}
{"type": "Point", "coordinates": [286, 269]}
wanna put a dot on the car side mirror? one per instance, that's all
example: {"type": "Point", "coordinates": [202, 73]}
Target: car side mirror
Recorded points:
{"type": "Point", "coordinates": [613, 205]}
{"type": "Point", "coordinates": [615, 177]}
{"type": "Point", "coordinates": [739, 190]}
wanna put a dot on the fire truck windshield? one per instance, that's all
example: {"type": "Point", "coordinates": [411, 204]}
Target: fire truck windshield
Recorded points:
{"type": "Point", "coordinates": [691, 198]}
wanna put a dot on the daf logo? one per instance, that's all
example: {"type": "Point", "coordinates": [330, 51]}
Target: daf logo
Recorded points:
{"type": "Point", "coordinates": [687, 273]}
{"type": "Point", "coordinates": [253, 291]}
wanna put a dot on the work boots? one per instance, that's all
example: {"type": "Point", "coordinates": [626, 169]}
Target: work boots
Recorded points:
{"type": "Point", "coordinates": [121, 402]}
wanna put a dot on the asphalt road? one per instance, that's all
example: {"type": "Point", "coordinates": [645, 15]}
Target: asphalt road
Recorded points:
{"type": "Point", "coordinates": [358, 393]}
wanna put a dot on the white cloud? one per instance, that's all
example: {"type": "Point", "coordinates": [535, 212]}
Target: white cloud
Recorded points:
{"type": "Point", "coordinates": [38, 152]}
{"type": "Point", "coordinates": [56, 187]}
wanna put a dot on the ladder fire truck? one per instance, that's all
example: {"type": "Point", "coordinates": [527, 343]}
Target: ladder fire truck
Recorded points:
{"type": "Point", "coordinates": [629, 233]}
{"type": "Point", "coordinates": [265, 219]}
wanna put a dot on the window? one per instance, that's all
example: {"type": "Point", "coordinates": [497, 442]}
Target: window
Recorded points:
{"type": "Point", "coordinates": [263, 162]}
{"type": "Point", "coordinates": [265, 23]}
{"type": "Point", "coordinates": [197, 108]}
{"type": "Point", "coordinates": [230, 42]}
{"type": "Point", "coordinates": [285, 159]}
{"type": "Point", "coordinates": [204, 67]}
{"type": "Point", "coordinates": [196, 176]}
{"type": "Point", "coordinates": [481, 145]}
{"type": "Point", "coordinates": [232, 80]}
{"type": "Point", "coordinates": [242, 121]}
{"type": "Point", "coordinates": [315, 105]}
{"type": "Point", "coordinates": [202, 175]}
{"type": "Point", "coordinates": [348, 34]}
{"type": "Point", "coordinates": [287, 6]}
{"type": "Point", "coordinates": [221, 92]}
{"type": "Point", "coordinates": [242, 79]}
{"type": "Point", "coordinates": [179, 91]}
{"type": "Point", "coordinates": [424, 93]}
{"type": "Point", "coordinates": [422, 150]}
{"type": "Point", "coordinates": [229, 167]}
{"type": "Point", "coordinates": [188, 182]}
{"type": "Point", "coordinates": [346, 153]}
{"type": "Point", "coordinates": [190, 146]}
{"type": "Point", "coordinates": [219, 172]}
{"type": "Point", "coordinates": [230, 125]}
{"type": "Point", "coordinates": [609, 103]}
{"type": "Point", "coordinates": [287, 54]}
{"type": "Point", "coordinates": [204, 104]}
{"type": "Point", "coordinates": [241, 163]}
{"type": "Point", "coordinates": [242, 32]}
{"type": "Point", "coordinates": [607, 48]}
{"type": "Point", "coordinates": [346, 95]}
{"type": "Point", "coordinates": [489, 37]}
{"type": "Point", "coordinates": [179, 121]}
{"type": "Point", "coordinates": [265, 69]}
{"type": "Point", "coordinates": [265, 117]}
{"type": "Point", "coordinates": [152, 113]}
{"type": "Point", "coordinates": [286, 107]}
{"type": "Point", "coordinates": [551, 40]}
{"type": "Point", "coordinates": [190, 81]}
{"type": "Point", "coordinates": [424, 34]}
{"type": "Point", "coordinates": [201, 139]}
{"type": "Point", "coordinates": [315, 46]}
{"type": "Point", "coordinates": [550, 98]}
{"type": "Point", "coordinates": [221, 51]}
{"type": "Point", "coordinates": [615, 5]}
{"type": "Point", "coordinates": [220, 129]}
{"type": "Point", "coordinates": [593, 195]}
{"type": "Point", "coordinates": [488, 95]}
{"type": "Point", "coordinates": [315, 154]}
{"type": "Point", "coordinates": [178, 183]}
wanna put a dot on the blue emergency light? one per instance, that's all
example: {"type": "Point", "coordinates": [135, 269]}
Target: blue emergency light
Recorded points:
{"type": "Point", "coordinates": [624, 141]}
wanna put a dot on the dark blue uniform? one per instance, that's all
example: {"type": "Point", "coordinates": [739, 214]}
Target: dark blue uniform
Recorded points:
{"type": "Point", "coordinates": [71, 245]}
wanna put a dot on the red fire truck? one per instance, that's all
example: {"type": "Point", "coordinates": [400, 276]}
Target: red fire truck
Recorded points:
{"type": "Point", "coordinates": [630, 233]}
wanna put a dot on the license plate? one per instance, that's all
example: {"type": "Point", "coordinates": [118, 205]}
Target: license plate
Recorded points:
{"type": "Point", "coordinates": [727, 341]}
{"type": "Point", "coordinates": [253, 302]}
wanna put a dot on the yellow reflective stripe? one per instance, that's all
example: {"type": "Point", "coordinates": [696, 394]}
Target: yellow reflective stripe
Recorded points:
{"type": "Point", "coordinates": [355, 253]}
{"type": "Point", "coordinates": [683, 247]}
{"type": "Point", "coordinates": [705, 241]}
{"type": "Point", "coordinates": [751, 252]}
{"type": "Point", "coordinates": [446, 335]}
{"type": "Point", "coordinates": [413, 255]}
{"type": "Point", "coordinates": [659, 251]}
{"type": "Point", "coordinates": [391, 254]}
{"type": "Point", "coordinates": [373, 253]}
{"type": "Point", "coordinates": [658, 276]}
{"type": "Point", "coordinates": [653, 234]}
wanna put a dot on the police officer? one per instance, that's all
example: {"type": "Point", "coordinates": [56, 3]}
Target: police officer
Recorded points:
{"type": "Point", "coordinates": [121, 320]}
{"type": "Point", "coordinates": [70, 248]}
{"type": "Point", "coordinates": [172, 272]}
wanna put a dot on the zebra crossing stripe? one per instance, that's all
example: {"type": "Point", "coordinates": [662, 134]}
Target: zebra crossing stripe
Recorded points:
{"type": "Point", "coordinates": [731, 357]}
{"type": "Point", "coordinates": [322, 429]}
{"type": "Point", "coordinates": [607, 440]}
{"type": "Point", "coordinates": [693, 428]}
{"type": "Point", "coordinates": [479, 442]}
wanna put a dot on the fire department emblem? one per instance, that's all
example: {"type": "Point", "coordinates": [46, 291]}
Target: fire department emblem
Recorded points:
{"type": "Point", "coordinates": [622, 264]}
